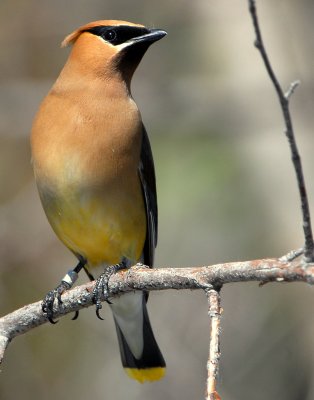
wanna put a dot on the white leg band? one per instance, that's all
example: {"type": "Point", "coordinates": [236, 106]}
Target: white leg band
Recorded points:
{"type": "Point", "coordinates": [70, 278]}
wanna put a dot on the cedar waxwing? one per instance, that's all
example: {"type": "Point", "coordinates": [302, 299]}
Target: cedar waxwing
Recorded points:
{"type": "Point", "coordinates": [95, 175]}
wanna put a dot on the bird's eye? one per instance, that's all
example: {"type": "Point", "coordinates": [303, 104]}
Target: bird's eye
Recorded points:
{"type": "Point", "coordinates": [110, 35]}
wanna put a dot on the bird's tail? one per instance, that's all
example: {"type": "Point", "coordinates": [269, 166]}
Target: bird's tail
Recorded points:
{"type": "Point", "coordinates": [140, 354]}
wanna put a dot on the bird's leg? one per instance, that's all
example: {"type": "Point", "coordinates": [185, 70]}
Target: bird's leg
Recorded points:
{"type": "Point", "coordinates": [101, 286]}
{"type": "Point", "coordinates": [66, 283]}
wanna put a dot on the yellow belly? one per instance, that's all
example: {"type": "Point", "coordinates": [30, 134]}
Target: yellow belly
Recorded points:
{"type": "Point", "coordinates": [102, 229]}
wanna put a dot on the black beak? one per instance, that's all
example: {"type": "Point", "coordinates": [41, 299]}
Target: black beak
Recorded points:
{"type": "Point", "coordinates": [152, 36]}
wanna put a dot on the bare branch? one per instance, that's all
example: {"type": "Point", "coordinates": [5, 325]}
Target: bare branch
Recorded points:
{"type": "Point", "coordinates": [284, 103]}
{"type": "Point", "coordinates": [214, 312]}
{"type": "Point", "coordinates": [292, 88]}
{"type": "Point", "coordinates": [292, 255]}
{"type": "Point", "coordinates": [144, 278]}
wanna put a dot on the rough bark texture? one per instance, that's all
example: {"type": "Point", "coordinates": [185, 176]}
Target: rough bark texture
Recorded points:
{"type": "Point", "coordinates": [141, 278]}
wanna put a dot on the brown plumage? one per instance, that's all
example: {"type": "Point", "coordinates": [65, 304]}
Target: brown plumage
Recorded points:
{"type": "Point", "coordinates": [94, 170]}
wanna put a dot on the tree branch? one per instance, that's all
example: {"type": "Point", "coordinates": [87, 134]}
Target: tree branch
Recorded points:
{"type": "Point", "coordinates": [144, 278]}
{"type": "Point", "coordinates": [214, 312]}
{"type": "Point", "coordinates": [296, 160]}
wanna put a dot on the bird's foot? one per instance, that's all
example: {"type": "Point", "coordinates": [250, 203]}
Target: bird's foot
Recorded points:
{"type": "Point", "coordinates": [101, 287]}
{"type": "Point", "coordinates": [48, 302]}
{"type": "Point", "coordinates": [66, 284]}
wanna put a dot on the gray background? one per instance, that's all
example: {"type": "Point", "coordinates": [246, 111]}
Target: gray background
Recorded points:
{"type": "Point", "coordinates": [226, 191]}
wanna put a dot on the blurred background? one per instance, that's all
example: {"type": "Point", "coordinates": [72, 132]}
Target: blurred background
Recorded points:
{"type": "Point", "coordinates": [226, 191]}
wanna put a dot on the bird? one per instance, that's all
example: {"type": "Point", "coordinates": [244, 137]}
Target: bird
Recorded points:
{"type": "Point", "coordinates": [95, 175]}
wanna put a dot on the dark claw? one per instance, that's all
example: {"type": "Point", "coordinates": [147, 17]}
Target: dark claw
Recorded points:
{"type": "Point", "coordinates": [47, 304]}
{"type": "Point", "coordinates": [101, 286]}
{"type": "Point", "coordinates": [76, 314]}
{"type": "Point", "coordinates": [98, 307]}
{"type": "Point", "coordinates": [66, 284]}
{"type": "Point", "coordinates": [97, 302]}
{"type": "Point", "coordinates": [52, 321]}
{"type": "Point", "coordinates": [98, 315]}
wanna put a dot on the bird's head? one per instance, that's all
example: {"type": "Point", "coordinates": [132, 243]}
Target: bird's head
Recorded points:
{"type": "Point", "coordinates": [109, 47]}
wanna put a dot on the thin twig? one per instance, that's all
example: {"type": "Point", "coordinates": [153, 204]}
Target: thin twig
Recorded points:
{"type": "Point", "coordinates": [292, 255]}
{"type": "Point", "coordinates": [291, 90]}
{"type": "Point", "coordinates": [268, 270]}
{"type": "Point", "coordinates": [214, 312]}
{"type": "Point", "coordinates": [284, 102]}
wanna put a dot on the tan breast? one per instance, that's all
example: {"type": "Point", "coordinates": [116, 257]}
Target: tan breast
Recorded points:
{"type": "Point", "coordinates": [86, 151]}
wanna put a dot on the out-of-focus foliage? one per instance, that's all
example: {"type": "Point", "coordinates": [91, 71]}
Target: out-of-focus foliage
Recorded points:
{"type": "Point", "coordinates": [226, 192]}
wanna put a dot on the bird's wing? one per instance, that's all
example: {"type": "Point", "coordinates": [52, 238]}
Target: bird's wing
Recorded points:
{"type": "Point", "coordinates": [148, 181]}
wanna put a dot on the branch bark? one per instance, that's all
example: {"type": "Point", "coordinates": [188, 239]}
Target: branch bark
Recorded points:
{"type": "Point", "coordinates": [143, 278]}
{"type": "Point", "coordinates": [214, 312]}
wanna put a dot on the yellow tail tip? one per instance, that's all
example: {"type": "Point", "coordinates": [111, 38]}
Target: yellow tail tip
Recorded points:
{"type": "Point", "coordinates": [146, 374]}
